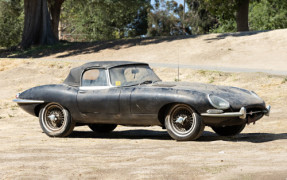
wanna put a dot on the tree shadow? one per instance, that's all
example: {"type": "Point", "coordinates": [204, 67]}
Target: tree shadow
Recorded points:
{"type": "Point", "coordinates": [77, 48]}
{"type": "Point", "coordinates": [235, 34]}
{"type": "Point", "coordinates": [163, 135]}
{"type": "Point", "coordinates": [67, 49]}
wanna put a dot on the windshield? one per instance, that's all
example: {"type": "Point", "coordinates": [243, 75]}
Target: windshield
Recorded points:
{"type": "Point", "coordinates": [132, 75]}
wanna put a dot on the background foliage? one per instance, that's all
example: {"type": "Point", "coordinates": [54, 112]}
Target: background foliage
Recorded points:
{"type": "Point", "coordinates": [11, 22]}
{"type": "Point", "coordinates": [90, 20]}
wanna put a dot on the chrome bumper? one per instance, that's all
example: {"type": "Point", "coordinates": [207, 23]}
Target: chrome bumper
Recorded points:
{"type": "Point", "coordinates": [28, 101]}
{"type": "Point", "coordinates": [241, 114]}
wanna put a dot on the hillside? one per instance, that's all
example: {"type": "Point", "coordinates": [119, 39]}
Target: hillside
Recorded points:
{"type": "Point", "coordinates": [262, 51]}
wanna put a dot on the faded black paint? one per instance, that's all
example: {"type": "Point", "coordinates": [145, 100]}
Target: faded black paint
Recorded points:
{"type": "Point", "coordinates": [139, 105]}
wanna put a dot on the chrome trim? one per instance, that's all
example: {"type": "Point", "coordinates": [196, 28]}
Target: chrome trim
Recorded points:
{"type": "Point", "coordinates": [268, 109]}
{"type": "Point", "coordinates": [28, 101]}
{"type": "Point", "coordinates": [241, 114]}
{"type": "Point", "coordinates": [108, 77]}
{"type": "Point", "coordinates": [94, 87]}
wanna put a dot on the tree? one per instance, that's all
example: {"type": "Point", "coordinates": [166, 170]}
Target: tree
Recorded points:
{"type": "Point", "coordinates": [268, 15]}
{"type": "Point", "coordinates": [55, 10]}
{"type": "Point", "coordinates": [226, 10]}
{"type": "Point", "coordinates": [165, 19]}
{"type": "Point", "coordinates": [198, 18]}
{"type": "Point", "coordinates": [102, 20]}
{"type": "Point", "coordinates": [11, 22]}
{"type": "Point", "coordinates": [242, 15]}
{"type": "Point", "coordinates": [37, 24]}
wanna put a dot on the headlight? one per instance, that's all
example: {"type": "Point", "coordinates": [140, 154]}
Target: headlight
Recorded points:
{"type": "Point", "coordinates": [218, 102]}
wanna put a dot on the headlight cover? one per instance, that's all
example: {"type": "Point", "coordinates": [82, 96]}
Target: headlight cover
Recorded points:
{"type": "Point", "coordinates": [218, 102]}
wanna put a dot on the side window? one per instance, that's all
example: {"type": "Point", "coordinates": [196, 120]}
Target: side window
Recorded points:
{"type": "Point", "coordinates": [94, 77]}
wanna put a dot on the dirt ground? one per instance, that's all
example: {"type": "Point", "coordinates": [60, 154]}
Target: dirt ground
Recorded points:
{"type": "Point", "coordinates": [259, 152]}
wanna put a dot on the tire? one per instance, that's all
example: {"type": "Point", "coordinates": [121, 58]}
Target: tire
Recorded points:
{"type": "Point", "coordinates": [183, 124]}
{"type": "Point", "coordinates": [102, 128]}
{"type": "Point", "coordinates": [56, 121]}
{"type": "Point", "coordinates": [228, 130]}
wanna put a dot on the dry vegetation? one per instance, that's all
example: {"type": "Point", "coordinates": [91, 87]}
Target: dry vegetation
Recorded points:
{"type": "Point", "coordinates": [139, 153]}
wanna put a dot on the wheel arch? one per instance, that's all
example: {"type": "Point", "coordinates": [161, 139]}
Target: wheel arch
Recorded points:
{"type": "Point", "coordinates": [38, 108]}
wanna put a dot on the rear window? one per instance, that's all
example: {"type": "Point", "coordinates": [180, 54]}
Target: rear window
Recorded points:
{"type": "Point", "coordinates": [94, 77]}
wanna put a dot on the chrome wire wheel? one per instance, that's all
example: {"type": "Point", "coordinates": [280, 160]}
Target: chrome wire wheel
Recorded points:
{"type": "Point", "coordinates": [182, 120]}
{"type": "Point", "coordinates": [183, 124]}
{"type": "Point", "coordinates": [56, 121]}
{"type": "Point", "coordinates": [54, 117]}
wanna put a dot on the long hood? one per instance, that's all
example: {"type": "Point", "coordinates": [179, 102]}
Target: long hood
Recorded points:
{"type": "Point", "coordinates": [237, 97]}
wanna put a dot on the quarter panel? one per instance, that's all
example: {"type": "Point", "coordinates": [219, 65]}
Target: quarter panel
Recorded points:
{"type": "Point", "coordinates": [60, 93]}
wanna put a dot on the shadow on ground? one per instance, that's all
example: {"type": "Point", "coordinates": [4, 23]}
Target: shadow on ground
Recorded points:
{"type": "Point", "coordinates": [163, 135]}
{"type": "Point", "coordinates": [77, 48]}
{"type": "Point", "coordinates": [236, 34]}
{"type": "Point", "coordinates": [244, 137]}
{"type": "Point", "coordinates": [128, 134]}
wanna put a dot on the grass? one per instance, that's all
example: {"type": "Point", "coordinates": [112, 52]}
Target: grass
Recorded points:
{"type": "Point", "coordinates": [284, 80]}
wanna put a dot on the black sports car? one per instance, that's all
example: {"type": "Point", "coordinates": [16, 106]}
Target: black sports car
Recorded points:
{"type": "Point", "coordinates": [103, 95]}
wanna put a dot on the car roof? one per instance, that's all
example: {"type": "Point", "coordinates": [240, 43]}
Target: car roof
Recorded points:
{"type": "Point", "coordinates": [74, 77]}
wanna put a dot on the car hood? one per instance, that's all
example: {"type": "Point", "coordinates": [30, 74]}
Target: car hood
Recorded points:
{"type": "Point", "coordinates": [237, 97]}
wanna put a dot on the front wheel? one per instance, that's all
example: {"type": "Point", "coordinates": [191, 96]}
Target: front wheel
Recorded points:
{"type": "Point", "coordinates": [102, 128]}
{"type": "Point", "coordinates": [183, 124]}
{"type": "Point", "coordinates": [56, 121]}
{"type": "Point", "coordinates": [228, 130]}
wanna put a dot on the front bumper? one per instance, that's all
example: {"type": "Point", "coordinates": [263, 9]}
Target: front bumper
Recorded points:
{"type": "Point", "coordinates": [242, 114]}
{"type": "Point", "coordinates": [28, 101]}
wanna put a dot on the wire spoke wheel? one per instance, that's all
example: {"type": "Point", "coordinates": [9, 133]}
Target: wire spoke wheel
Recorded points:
{"type": "Point", "coordinates": [54, 117]}
{"type": "Point", "coordinates": [183, 123]}
{"type": "Point", "coordinates": [55, 120]}
{"type": "Point", "coordinates": [182, 120]}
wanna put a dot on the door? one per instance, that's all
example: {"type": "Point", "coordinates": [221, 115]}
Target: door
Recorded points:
{"type": "Point", "coordinates": [96, 99]}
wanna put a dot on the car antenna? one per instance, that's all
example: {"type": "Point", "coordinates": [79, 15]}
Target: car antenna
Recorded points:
{"type": "Point", "coordinates": [177, 63]}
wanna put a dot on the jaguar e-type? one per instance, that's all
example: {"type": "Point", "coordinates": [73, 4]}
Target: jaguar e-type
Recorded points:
{"type": "Point", "coordinates": [103, 95]}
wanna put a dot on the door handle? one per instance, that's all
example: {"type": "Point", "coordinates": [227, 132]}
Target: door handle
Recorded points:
{"type": "Point", "coordinates": [82, 92]}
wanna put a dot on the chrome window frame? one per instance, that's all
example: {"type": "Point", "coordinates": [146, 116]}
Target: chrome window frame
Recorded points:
{"type": "Point", "coordinates": [96, 87]}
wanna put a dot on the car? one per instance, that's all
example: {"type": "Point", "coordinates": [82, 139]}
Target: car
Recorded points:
{"type": "Point", "coordinates": [105, 94]}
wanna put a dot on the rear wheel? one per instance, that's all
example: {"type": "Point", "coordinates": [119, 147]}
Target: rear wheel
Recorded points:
{"type": "Point", "coordinates": [228, 130]}
{"type": "Point", "coordinates": [102, 128]}
{"type": "Point", "coordinates": [56, 121]}
{"type": "Point", "coordinates": [183, 124]}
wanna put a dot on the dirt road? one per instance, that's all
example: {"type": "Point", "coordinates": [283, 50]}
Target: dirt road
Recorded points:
{"type": "Point", "coordinates": [260, 152]}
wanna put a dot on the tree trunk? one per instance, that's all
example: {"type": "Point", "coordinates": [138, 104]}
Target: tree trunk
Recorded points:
{"type": "Point", "coordinates": [55, 10]}
{"type": "Point", "coordinates": [37, 25]}
{"type": "Point", "coordinates": [242, 15]}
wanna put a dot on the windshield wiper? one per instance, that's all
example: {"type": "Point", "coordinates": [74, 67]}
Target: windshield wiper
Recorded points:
{"type": "Point", "coordinates": [146, 82]}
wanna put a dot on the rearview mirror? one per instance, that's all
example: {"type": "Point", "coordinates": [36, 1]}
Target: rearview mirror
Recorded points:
{"type": "Point", "coordinates": [135, 71]}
